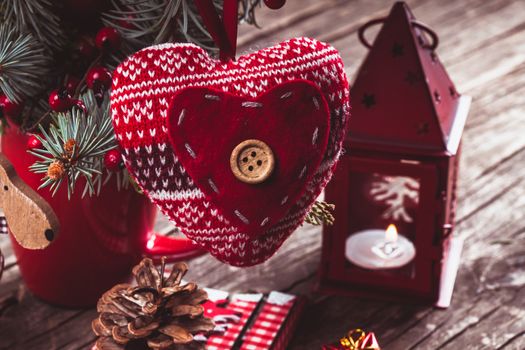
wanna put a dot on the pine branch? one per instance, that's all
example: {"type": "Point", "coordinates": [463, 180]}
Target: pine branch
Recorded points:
{"type": "Point", "coordinates": [23, 64]}
{"type": "Point", "coordinates": [74, 146]}
{"type": "Point", "coordinates": [247, 11]}
{"type": "Point", "coordinates": [143, 23]}
{"type": "Point", "coordinates": [36, 17]}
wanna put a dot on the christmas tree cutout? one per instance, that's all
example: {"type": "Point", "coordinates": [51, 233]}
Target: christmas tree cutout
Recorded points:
{"type": "Point", "coordinates": [402, 95]}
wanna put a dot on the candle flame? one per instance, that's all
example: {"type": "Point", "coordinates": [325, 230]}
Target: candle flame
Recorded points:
{"type": "Point", "coordinates": [391, 233]}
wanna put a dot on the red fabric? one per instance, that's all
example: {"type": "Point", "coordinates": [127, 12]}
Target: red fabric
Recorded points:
{"type": "Point", "coordinates": [145, 84]}
{"type": "Point", "coordinates": [223, 31]}
{"type": "Point", "coordinates": [293, 120]}
{"type": "Point", "coordinates": [230, 19]}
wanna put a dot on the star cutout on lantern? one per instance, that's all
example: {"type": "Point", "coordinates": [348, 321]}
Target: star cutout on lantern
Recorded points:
{"type": "Point", "coordinates": [368, 100]}
{"type": "Point", "coordinates": [397, 50]}
{"type": "Point", "coordinates": [423, 128]}
{"type": "Point", "coordinates": [433, 57]}
{"type": "Point", "coordinates": [437, 96]}
{"type": "Point", "coordinates": [412, 77]}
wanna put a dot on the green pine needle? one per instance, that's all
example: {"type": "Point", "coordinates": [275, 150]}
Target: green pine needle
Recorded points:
{"type": "Point", "coordinates": [143, 23]}
{"type": "Point", "coordinates": [23, 64]}
{"type": "Point", "coordinates": [37, 17]}
{"type": "Point", "coordinates": [247, 11]}
{"type": "Point", "coordinates": [93, 136]}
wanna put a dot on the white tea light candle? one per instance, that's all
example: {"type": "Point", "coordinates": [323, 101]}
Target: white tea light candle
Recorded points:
{"type": "Point", "coordinates": [378, 249]}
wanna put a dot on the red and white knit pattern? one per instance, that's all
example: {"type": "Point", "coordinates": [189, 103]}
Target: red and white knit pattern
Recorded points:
{"type": "Point", "coordinates": [143, 87]}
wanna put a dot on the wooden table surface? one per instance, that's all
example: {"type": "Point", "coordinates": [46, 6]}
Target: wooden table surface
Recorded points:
{"type": "Point", "coordinates": [483, 47]}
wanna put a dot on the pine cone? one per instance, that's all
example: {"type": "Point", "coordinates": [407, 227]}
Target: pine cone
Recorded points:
{"type": "Point", "coordinates": [158, 313]}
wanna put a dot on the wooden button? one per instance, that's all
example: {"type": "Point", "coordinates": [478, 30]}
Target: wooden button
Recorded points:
{"type": "Point", "coordinates": [252, 161]}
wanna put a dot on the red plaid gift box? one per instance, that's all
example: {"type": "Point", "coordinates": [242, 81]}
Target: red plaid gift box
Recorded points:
{"type": "Point", "coordinates": [252, 321]}
{"type": "Point", "coordinates": [274, 325]}
{"type": "Point", "coordinates": [231, 317]}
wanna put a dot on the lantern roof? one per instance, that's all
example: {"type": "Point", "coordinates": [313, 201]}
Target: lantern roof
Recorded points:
{"type": "Point", "coordinates": [403, 99]}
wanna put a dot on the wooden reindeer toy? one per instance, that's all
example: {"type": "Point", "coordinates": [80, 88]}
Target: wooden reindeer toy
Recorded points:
{"type": "Point", "coordinates": [30, 218]}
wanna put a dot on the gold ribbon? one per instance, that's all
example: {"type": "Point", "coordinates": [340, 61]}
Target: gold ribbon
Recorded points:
{"type": "Point", "coordinates": [353, 339]}
{"type": "Point", "coordinates": [357, 339]}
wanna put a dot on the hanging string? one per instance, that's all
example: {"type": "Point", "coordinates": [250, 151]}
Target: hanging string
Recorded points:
{"type": "Point", "coordinates": [230, 12]}
{"type": "Point", "coordinates": [223, 32]}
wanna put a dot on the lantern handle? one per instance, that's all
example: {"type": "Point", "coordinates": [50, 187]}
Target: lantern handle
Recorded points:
{"type": "Point", "coordinates": [435, 39]}
{"type": "Point", "coordinates": [432, 46]}
{"type": "Point", "coordinates": [364, 27]}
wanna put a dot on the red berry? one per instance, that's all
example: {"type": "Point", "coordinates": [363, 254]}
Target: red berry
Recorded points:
{"type": "Point", "coordinates": [8, 108]}
{"type": "Point", "coordinates": [60, 100]}
{"type": "Point", "coordinates": [113, 160]}
{"type": "Point", "coordinates": [33, 142]}
{"type": "Point", "coordinates": [98, 78]}
{"type": "Point", "coordinates": [127, 23]}
{"type": "Point", "coordinates": [85, 48]}
{"type": "Point", "coordinates": [108, 38]}
{"type": "Point", "coordinates": [274, 4]}
{"type": "Point", "coordinates": [72, 84]}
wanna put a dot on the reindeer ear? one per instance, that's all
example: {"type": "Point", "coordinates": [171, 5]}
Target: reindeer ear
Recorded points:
{"type": "Point", "coordinates": [30, 218]}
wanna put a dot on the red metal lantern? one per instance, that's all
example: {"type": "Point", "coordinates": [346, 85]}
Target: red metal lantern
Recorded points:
{"type": "Point", "coordinates": [400, 168]}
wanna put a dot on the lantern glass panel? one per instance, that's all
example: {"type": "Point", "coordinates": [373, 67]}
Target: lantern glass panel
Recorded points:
{"type": "Point", "coordinates": [376, 192]}
{"type": "Point", "coordinates": [379, 200]}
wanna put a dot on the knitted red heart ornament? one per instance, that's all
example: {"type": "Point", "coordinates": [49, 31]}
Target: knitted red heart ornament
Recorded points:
{"type": "Point", "coordinates": [298, 136]}
{"type": "Point", "coordinates": [179, 115]}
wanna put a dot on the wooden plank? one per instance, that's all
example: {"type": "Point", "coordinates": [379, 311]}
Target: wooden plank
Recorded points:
{"type": "Point", "coordinates": [345, 37]}
{"type": "Point", "coordinates": [32, 316]}
{"type": "Point", "coordinates": [323, 20]}
{"type": "Point", "coordinates": [414, 317]}
{"type": "Point", "coordinates": [483, 47]}
{"type": "Point", "coordinates": [487, 220]}
{"type": "Point", "coordinates": [276, 24]}
{"type": "Point", "coordinates": [485, 291]}
{"type": "Point", "coordinates": [60, 324]}
{"type": "Point", "coordinates": [487, 233]}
